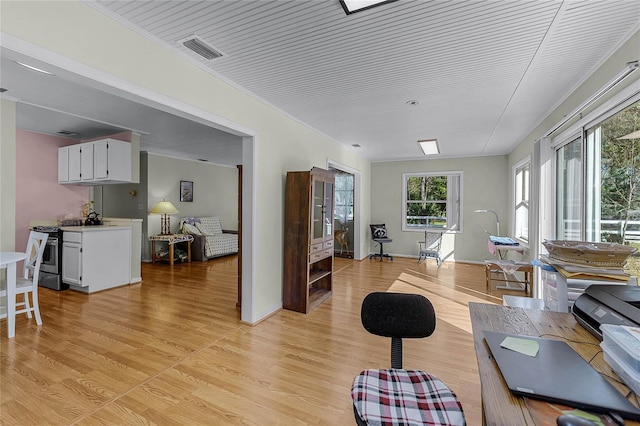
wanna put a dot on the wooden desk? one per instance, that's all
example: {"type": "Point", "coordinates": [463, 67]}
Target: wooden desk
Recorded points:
{"type": "Point", "coordinates": [499, 405]}
{"type": "Point", "coordinates": [172, 240]}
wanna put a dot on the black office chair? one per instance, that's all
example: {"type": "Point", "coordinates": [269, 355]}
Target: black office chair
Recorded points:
{"type": "Point", "coordinates": [379, 235]}
{"type": "Point", "coordinates": [397, 396]}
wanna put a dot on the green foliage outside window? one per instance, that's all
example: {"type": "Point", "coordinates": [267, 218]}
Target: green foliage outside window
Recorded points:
{"type": "Point", "coordinates": [620, 180]}
{"type": "Point", "coordinates": [427, 201]}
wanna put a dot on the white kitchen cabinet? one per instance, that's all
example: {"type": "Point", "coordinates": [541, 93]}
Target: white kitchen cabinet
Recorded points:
{"type": "Point", "coordinates": [72, 262]}
{"type": "Point", "coordinates": [136, 243]}
{"type": "Point", "coordinates": [112, 160]}
{"type": "Point", "coordinates": [96, 258]}
{"type": "Point", "coordinates": [63, 164]}
{"type": "Point", "coordinates": [95, 163]}
{"type": "Point", "coordinates": [74, 163]}
{"type": "Point", "coordinates": [86, 162]}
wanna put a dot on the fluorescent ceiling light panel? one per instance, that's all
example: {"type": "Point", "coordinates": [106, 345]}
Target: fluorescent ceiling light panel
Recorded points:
{"type": "Point", "coordinates": [31, 67]}
{"type": "Point", "coordinates": [353, 6]}
{"type": "Point", "coordinates": [429, 146]}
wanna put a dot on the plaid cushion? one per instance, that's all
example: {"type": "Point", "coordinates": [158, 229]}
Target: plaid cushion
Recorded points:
{"type": "Point", "coordinates": [405, 397]}
{"type": "Point", "coordinates": [219, 244]}
{"type": "Point", "coordinates": [211, 224]}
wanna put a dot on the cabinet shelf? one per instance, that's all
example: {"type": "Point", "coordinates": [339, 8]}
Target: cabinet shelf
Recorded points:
{"type": "Point", "coordinates": [317, 296]}
{"type": "Point", "coordinates": [315, 276]}
{"type": "Point", "coordinates": [308, 242]}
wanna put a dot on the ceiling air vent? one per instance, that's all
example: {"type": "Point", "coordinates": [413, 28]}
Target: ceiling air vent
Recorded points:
{"type": "Point", "coordinates": [201, 47]}
{"type": "Point", "coordinates": [68, 133]}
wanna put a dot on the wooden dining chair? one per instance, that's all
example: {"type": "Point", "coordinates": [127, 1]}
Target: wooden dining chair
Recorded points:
{"type": "Point", "coordinates": [28, 282]}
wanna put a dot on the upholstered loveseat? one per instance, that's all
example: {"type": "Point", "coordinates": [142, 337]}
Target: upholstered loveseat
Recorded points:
{"type": "Point", "coordinates": [209, 240]}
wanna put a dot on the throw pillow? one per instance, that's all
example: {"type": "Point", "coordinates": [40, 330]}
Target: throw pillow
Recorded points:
{"type": "Point", "coordinates": [379, 231]}
{"type": "Point", "coordinates": [190, 229]}
{"type": "Point", "coordinates": [204, 229]}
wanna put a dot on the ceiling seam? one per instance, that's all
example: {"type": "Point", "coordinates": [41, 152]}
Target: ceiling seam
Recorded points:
{"type": "Point", "coordinates": [545, 40]}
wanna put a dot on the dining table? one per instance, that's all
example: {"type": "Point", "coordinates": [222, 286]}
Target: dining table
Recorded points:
{"type": "Point", "coordinates": [8, 261]}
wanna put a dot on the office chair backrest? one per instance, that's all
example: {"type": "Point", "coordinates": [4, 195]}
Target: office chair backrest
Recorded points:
{"type": "Point", "coordinates": [378, 231]}
{"type": "Point", "coordinates": [398, 315]}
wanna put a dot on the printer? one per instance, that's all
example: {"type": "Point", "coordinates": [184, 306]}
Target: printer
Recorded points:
{"type": "Point", "coordinates": [607, 304]}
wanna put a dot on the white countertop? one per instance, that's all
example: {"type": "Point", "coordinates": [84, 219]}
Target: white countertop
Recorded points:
{"type": "Point", "coordinates": [93, 228]}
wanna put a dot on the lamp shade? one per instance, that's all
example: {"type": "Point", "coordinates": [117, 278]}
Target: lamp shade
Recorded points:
{"type": "Point", "coordinates": [164, 207]}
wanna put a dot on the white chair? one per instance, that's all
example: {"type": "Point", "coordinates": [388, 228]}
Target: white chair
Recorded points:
{"type": "Point", "coordinates": [28, 283]}
{"type": "Point", "coordinates": [430, 247]}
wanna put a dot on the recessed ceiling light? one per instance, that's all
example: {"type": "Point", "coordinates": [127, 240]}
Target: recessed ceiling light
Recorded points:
{"type": "Point", "coordinates": [356, 145]}
{"type": "Point", "coordinates": [2, 90]}
{"type": "Point", "coordinates": [412, 102]}
{"type": "Point", "coordinates": [31, 67]}
{"type": "Point", "coordinates": [353, 6]}
{"type": "Point", "coordinates": [203, 160]}
{"type": "Point", "coordinates": [429, 146]}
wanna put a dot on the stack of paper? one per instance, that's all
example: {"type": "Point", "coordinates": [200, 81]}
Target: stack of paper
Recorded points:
{"type": "Point", "coordinates": [574, 271]}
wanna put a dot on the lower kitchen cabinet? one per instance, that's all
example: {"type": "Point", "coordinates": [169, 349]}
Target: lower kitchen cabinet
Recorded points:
{"type": "Point", "coordinates": [96, 258]}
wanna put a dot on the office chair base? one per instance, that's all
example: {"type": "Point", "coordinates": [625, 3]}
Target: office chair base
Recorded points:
{"type": "Point", "coordinates": [381, 256]}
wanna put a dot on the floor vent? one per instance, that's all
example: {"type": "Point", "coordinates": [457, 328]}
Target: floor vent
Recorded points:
{"type": "Point", "coordinates": [201, 47]}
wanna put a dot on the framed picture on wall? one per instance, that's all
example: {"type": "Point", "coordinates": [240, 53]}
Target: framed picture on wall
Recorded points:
{"type": "Point", "coordinates": [186, 191]}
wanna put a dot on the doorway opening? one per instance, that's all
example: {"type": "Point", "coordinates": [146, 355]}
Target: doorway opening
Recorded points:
{"type": "Point", "coordinates": [346, 211]}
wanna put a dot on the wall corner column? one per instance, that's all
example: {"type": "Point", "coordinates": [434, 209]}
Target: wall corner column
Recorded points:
{"type": "Point", "coordinates": [7, 175]}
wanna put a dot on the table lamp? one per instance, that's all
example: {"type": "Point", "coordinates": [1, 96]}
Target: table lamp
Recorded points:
{"type": "Point", "coordinates": [165, 208]}
{"type": "Point", "coordinates": [497, 221]}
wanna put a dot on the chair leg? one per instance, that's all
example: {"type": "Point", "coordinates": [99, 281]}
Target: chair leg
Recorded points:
{"type": "Point", "coordinates": [36, 307]}
{"type": "Point", "coordinates": [27, 307]}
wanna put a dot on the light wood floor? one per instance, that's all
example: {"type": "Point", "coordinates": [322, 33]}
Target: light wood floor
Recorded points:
{"type": "Point", "coordinates": [172, 351]}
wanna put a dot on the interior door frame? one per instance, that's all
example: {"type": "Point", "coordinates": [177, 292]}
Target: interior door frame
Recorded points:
{"type": "Point", "coordinates": [357, 202]}
{"type": "Point", "coordinates": [101, 80]}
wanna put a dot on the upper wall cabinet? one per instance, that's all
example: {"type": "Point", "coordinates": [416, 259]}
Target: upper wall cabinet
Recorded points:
{"type": "Point", "coordinates": [95, 163]}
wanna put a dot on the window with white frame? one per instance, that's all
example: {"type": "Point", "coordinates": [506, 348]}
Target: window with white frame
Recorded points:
{"type": "Point", "coordinates": [521, 179]}
{"type": "Point", "coordinates": [431, 201]}
{"type": "Point", "coordinates": [598, 180]}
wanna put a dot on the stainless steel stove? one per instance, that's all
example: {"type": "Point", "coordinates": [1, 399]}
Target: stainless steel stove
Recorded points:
{"type": "Point", "coordinates": [51, 267]}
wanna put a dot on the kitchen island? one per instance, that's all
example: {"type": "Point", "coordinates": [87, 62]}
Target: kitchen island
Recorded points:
{"type": "Point", "coordinates": [96, 258]}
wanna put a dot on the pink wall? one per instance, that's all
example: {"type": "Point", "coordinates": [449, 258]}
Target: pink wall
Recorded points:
{"type": "Point", "coordinates": [38, 194]}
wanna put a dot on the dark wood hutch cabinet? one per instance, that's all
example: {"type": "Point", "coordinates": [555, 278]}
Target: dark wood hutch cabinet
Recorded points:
{"type": "Point", "coordinates": [308, 239]}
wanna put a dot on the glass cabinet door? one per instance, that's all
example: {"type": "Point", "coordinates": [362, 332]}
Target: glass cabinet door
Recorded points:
{"type": "Point", "coordinates": [317, 210]}
{"type": "Point", "coordinates": [328, 210]}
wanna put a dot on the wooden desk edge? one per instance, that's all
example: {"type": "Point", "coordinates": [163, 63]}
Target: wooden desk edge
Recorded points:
{"type": "Point", "coordinates": [499, 405]}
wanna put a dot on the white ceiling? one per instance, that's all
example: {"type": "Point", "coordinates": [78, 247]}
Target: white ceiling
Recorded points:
{"type": "Point", "coordinates": [484, 73]}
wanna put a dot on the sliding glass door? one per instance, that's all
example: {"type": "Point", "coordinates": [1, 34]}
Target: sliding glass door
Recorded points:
{"type": "Point", "coordinates": [569, 190]}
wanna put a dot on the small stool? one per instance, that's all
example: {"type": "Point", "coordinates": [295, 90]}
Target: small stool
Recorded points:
{"type": "Point", "coordinates": [508, 267]}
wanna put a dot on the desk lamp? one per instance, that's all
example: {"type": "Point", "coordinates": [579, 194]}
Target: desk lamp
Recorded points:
{"type": "Point", "coordinates": [491, 211]}
{"type": "Point", "coordinates": [165, 208]}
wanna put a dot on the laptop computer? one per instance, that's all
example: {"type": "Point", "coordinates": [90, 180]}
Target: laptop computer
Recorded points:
{"type": "Point", "coordinates": [557, 374]}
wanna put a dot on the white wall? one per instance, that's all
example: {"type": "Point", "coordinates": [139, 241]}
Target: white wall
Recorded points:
{"type": "Point", "coordinates": [215, 190]}
{"type": "Point", "coordinates": [85, 36]}
{"type": "Point", "coordinates": [7, 175]}
{"type": "Point", "coordinates": [484, 186]}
